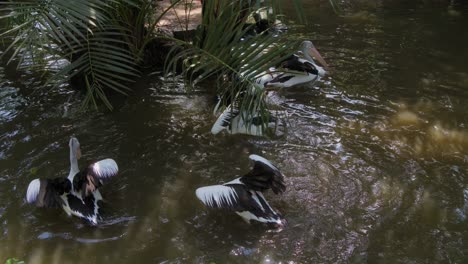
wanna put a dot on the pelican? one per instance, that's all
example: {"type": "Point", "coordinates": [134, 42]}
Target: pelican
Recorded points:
{"type": "Point", "coordinates": [244, 195]}
{"type": "Point", "coordinates": [77, 194]}
{"type": "Point", "coordinates": [233, 122]}
{"type": "Point", "coordinates": [295, 70]}
{"type": "Point", "coordinates": [292, 71]}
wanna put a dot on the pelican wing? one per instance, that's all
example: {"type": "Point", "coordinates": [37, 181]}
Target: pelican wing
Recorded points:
{"type": "Point", "coordinates": [47, 192]}
{"type": "Point", "coordinates": [92, 177]}
{"type": "Point", "coordinates": [233, 197]}
{"type": "Point", "coordinates": [263, 176]}
{"type": "Point", "coordinates": [103, 169]}
{"type": "Point", "coordinates": [224, 120]}
{"type": "Point", "coordinates": [294, 63]}
{"type": "Point", "coordinates": [280, 79]}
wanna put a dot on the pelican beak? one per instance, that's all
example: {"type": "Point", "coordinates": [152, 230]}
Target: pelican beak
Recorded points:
{"type": "Point", "coordinates": [314, 52]}
{"type": "Point", "coordinates": [78, 153]}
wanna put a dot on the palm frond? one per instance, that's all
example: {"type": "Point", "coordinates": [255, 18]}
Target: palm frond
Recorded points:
{"type": "Point", "coordinates": [106, 64]}
{"type": "Point", "coordinates": [86, 32]}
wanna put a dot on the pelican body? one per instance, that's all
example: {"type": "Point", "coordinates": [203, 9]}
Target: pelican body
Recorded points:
{"type": "Point", "coordinates": [295, 70]}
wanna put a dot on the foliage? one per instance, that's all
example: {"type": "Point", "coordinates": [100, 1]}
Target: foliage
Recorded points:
{"type": "Point", "coordinates": [87, 33]}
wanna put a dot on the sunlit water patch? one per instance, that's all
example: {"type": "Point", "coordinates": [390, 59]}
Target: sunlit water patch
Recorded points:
{"type": "Point", "coordinates": [10, 100]}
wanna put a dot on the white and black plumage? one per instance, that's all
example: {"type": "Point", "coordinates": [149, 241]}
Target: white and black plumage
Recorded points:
{"type": "Point", "coordinates": [77, 194]}
{"type": "Point", "coordinates": [244, 195]}
{"type": "Point", "coordinates": [232, 121]}
{"type": "Point", "coordinates": [295, 70]}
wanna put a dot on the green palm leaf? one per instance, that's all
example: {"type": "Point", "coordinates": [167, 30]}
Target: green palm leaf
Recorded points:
{"type": "Point", "coordinates": [85, 32]}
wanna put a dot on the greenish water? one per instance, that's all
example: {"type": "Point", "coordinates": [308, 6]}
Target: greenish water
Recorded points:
{"type": "Point", "coordinates": [375, 156]}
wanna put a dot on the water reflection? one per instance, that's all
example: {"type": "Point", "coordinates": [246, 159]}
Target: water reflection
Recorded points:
{"type": "Point", "coordinates": [413, 131]}
{"type": "Point", "coordinates": [10, 100]}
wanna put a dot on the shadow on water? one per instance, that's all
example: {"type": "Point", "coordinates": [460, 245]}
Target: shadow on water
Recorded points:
{"type": "Point", "coordinates": [375, 157]}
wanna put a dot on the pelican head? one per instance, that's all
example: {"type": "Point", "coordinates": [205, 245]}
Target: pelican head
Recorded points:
{"type": "Point", "coordinates": [75, 147]}
{"type": "Point", "coordinates": [309, 48]}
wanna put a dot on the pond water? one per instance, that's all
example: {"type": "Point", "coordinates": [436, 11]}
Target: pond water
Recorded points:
{"type": "Point", "coordinates": [376, 156]}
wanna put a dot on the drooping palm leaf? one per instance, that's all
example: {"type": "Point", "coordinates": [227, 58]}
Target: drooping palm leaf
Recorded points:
{"type": "Point", "coordinates": [88, 33]}
{"type": "Point", "coordinates": [105, 62]}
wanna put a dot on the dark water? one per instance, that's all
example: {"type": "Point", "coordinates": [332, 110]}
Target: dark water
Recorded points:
{"type": "Point", "coordinates": [375, 156]}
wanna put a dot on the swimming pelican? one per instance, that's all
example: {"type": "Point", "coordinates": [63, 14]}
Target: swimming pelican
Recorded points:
{"type": "Point", "coordinates": [244, 195]}
{"type": "Point", "coordinates": [295, 70]}
{"type": "Point", "coordinates": [77, 194]}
